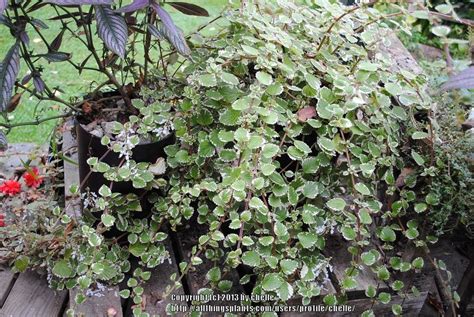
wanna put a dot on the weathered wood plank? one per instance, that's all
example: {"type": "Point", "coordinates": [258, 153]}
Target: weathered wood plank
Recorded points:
{"type": "Point", "coordinates": [71, 170]}
{"type": "Point", "coordinates": [336, 248]}
{"type": "Point", "coordinates": [97, 305]}
{"type": "Point", "coordinates": [196, 277]}
{"type": "Point", "coordinates": [155, 288]}
{"type": "Point", "coordinates": [31, 296]}
{"type": "Point", "coordinates": [398, 54]}
{"type": "Point", "coordinates": [412, 306]}
{"type": "Point", "coordinates": [109, 298]}
{"type": "Point", "coordinates": [7, 279]}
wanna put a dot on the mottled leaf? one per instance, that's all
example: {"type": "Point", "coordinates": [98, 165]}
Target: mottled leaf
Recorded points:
{"type": "Point", "coordinates": [464, 79]}
{"type": "Point", "coordinates": [172, 33]}
{"type": "Point", "coordinates": [156, 32]}
{"type": "Point", "coordinates": [112, 29]}
{"type": "Point", "coordinates": [189, 8]}
{"type": "Point", "coordinates": [8, 71]}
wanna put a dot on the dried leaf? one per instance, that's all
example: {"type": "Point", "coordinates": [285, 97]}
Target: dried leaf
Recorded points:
{"type": "Point", "coordinates": [112, 29]}
{"type": "Point", "coordinates": [407, 171]}
{"type": "Point", "coordinates": [8, 71]}
{"type": "Point", "coordinates": [189, 8]}
{"type": "Point", "coordinates": [306, 113]}
{"type": "Point", "coordinates": [14, 102]}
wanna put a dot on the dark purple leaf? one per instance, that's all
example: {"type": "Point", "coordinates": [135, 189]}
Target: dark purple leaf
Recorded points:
{"type": "Point", "coordinates": [25, 38]}
{"type": "Point", "coordinates": [36, 6]}
{"type": "Point", "coordinates": [3, 5]}
{"type": "Point", "coordinates": [39, 24]}
{"type": "Point", "coordinates": [80, 2]}
{"type": "Point", "coordinates": [5, 21]}
{"type": "Point", "coordinates": [156, 32]}
{"type": "Point", "coordinates": [134, 6]}
{"type": "Point", "coordinates": [39, 84]}
{"type": "Point", "coordinates": [172, 33]}
{"type": "Point", "coordinates": [55, 57]}
{"type": "Point", "coordinates": [26, 79]}
{"type": "Point", "coordinates": [8, 71]}
{"type": "Point", "coordinates": [189, 8]}
{"type": "Point", "coordinates": [56, 43]}
{"type": "Point", "coordinates": [3, 141]}
{"type": "Point", "coordinates": [112, 29]}
{"type": "Point", "coordinates": [464, 79]}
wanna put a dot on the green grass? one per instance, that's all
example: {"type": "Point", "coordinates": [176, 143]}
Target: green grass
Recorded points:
{"type": "Point", "coordinates": [64, 76]}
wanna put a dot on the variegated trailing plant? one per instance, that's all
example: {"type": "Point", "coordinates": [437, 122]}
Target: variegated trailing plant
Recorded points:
{"type": "Point", "coordinates": [120, 28]}
{"type": "Point", "coordinates": [291, 126]}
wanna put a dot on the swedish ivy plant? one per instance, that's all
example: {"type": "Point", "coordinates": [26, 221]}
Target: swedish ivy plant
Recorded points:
{"type": "Point", "coordinates": [291, 126]}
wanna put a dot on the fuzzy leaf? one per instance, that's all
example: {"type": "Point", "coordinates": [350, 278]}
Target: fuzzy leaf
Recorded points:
{"type": "Point", "coordinates": [112, 29]}
{"type": "Point", "coordinates": [8, 72]}
{"type": "Point", "coordinates": [172, 33]}
{"type": "Point", "coordinates": [464, 79]}
{"type": "Point", "coordinates": [189, 8]}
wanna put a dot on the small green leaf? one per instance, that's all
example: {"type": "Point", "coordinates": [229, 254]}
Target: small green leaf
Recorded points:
{"type": "Point", "coordinates": [336, 204]}
{"type": "Point", "coordinates": [264, 78]}
{"type": "Point", "coordinates": [63, 269]}
{"type": "Point", "coordinates": [271, 282]}
{"type": "Point", "coordinates": [251, 258]}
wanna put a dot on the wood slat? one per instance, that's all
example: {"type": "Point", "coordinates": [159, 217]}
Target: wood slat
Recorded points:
{"type": "Point", "coordinates": [71, 171]}
{"type": "Point", "coordinates": [336, 248]}
{"type": "Point", "coordinates": [31, 296]}
{"type": "Point", "coordinates": [97, 305]}
{"type": "Point", "coordinates": [7, 279]}
{"type": "Point", "coordinates": [93, 306]}
{"type": "Point", "coordinates": [412, 306]}
{"type": "Point", "coordinates": [155, 288]}
{"type": "Point", "coordinates": [196, 277]}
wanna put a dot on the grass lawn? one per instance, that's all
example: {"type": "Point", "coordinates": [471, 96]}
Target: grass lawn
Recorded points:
{"type": "Point", "coordinates": [65, 76]}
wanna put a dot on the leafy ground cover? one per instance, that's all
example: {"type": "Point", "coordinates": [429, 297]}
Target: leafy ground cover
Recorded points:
{"type": "Point", "coordinates": [65, 76]}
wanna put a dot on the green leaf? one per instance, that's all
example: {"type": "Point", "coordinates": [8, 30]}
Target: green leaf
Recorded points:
{"type": "Point", "coordinates": [21, 263]}
{"type": "Point", "coordinates": [288, 266]}
{"type": "Point", "coordinates": [387, 234]}
{"type": "Point", "coordinates": [264, 78]}
{"type": "Point", "coordinates": [419, 208]}
{"type": "Point", "coordinates": [251, 258]}
{"type": "Point", "coordinates": [242, 103]}
{"type": "Point", "coordinates": [206, 149]}
{"type": "Point", "coordinates": [336, 204]}
{"type": "Point", "coordinates": [326, 144]}
{"type": "Point", "coordinates": [63, 269]}
{"type": "Point", "coordinates": [229, 78]}
{"type": "Point", "coordinates": [229, 117]}
{"type": "Point", "coordinates": [107, 220]}
{"type": "Point", "coordinates": [307, 239]}
{"type": "Point", "coordinates": [214, 274]}
{"type": "Point", "coordinates": [419, 135]}
{"type": "Point", "coordinates": [368, 258]}
{"type": "Point", "coordinates": [270, 150]}
{"type": "Point", "coordinates": [362, 188]}
{"type": "Point", "coordinates": [418, 158]}
{"type": "Point", "coordinates": [271, 282]}
{"type": "Point", "coordinates": [348, 233]}
{"type": "Point", "coordinates": [365, 217]}
{"type": "Point", "coordinates": [207, 80]}
{"type": "Point", "coordinates": [285, 291]}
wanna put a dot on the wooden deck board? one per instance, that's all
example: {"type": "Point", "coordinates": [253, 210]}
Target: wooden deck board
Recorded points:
{"type": "Point", "coordinates": [156, 286]}
{"type": "Point", "coordinates": [7, 279]}
{"type": "Point", "coordinates": [187, 238]}
{"type": "Point", "coordinates": [31, 296]}
{"type": "Point", "coordinates": [97, 305]}
{"type": "Point", "coordinates": [93, 306]}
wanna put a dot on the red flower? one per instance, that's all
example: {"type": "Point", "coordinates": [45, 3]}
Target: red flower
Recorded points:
{"type": "Point", "coordinates": [2, 220]}
{"type": "Point", "coordinates": [10, 188]}
{"type": "Point", "coordinates": [32, 178]}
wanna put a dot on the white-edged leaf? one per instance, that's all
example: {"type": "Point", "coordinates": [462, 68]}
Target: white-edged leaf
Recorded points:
{"type": "Point", "coordinates": [463, 80]}
{"type": "Point", "coordinates": [8, 72]}
{"type": "Point", "coordinates": [112, 29]}
{"type": "Point", "coordinates": [172, 33]}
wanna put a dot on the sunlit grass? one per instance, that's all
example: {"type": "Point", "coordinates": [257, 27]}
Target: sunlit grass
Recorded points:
{"type": "Point", "coordinates": [64, 75]}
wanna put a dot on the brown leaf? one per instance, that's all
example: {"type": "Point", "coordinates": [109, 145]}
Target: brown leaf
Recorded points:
{"type": "Point", "coordinates": [14, 102]}
{"type": "Point", "coordinates": [306, 113]}
{"type": "Point", "coordinates": [86, 107]}
{"type": "Point", "coordinates": [407, 171]}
